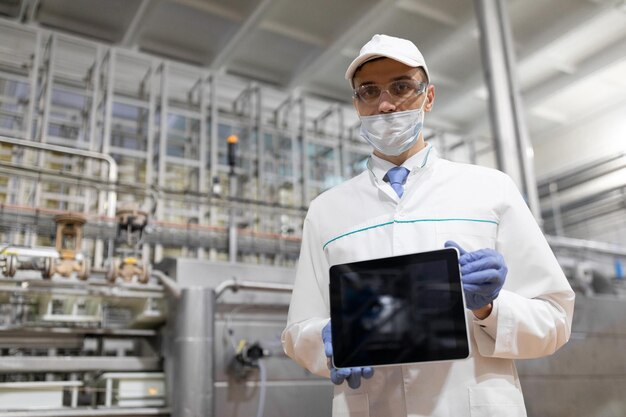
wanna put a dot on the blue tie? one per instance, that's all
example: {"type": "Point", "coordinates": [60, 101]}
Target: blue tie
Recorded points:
{"type": "Point", "coordinates": [396, 177]}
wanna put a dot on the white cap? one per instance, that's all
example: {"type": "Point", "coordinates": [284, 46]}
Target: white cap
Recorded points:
{"type": "Point", "coordinates": [398, 49]}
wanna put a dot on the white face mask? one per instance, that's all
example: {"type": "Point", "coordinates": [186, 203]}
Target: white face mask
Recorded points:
{"type": "Point", "coordinates": [393, 133]}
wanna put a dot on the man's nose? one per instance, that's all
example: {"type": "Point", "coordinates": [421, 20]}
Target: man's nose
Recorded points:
{"type": "Point", "coordinates": [385, 103]}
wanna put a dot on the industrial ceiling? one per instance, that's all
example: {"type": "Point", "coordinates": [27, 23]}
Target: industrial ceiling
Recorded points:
{"type": "Point", "coordinates": [571, 53]}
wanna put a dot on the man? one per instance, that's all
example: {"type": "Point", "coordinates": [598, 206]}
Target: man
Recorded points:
{"type": "Point", "coordinates": [409, 200]}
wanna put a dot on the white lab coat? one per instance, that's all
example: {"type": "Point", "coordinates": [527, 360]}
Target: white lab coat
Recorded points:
{"type": "Point", "coordinates": [478, 208]}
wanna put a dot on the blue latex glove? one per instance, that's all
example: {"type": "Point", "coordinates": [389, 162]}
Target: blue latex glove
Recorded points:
{"type": "Point", "coordinates": [338, 375]}
{"type": "Point", "coordinates": [482, 273]}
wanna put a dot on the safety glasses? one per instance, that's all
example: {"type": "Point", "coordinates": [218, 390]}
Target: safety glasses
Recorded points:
{"type": "Point", "coordinates": [398, 89]}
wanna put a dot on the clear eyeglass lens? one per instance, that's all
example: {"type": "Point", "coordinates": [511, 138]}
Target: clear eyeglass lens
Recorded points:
{"type": "Point", "coordinates": [399, 89]}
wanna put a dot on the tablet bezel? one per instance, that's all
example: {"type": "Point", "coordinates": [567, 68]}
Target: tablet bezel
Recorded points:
{"type": "Point", "coordinates": [449, 255]}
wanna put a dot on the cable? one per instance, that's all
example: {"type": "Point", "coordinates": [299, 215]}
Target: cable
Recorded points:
{"type": "Point", "coordinates": [262, 387]}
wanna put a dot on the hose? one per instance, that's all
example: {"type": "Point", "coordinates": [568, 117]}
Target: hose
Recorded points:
{"type": "Point", "coordinates": [262, 388]}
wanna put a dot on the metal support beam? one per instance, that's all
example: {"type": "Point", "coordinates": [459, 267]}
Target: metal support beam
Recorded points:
{"type": "Point", "coordinates": [134, 29]}
{"type": "Point", "coordinates": [310, 66]}
{"type": "Point", "coordinates": [513, 148]}
{"type": "Point", "coordinates": [252, 20]}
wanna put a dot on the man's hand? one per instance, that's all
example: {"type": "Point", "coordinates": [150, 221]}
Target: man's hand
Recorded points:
{"type": "Point", "coordinates": [482, 273]}
{"type": "Point", "coordinates": [338, 375]}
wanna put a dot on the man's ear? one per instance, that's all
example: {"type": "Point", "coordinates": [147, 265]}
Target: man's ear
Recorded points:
{"type": "Point", "coordinates": [430, 94]}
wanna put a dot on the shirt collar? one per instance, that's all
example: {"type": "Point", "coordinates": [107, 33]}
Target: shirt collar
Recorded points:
{"type": "Point", "coordinates": [379, 166]}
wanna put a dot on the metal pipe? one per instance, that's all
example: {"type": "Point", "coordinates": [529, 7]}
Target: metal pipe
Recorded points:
{"type": "Point", "coordinates": [169, 284]}
{"type": "Point", "coordinates": [88, 412]}
{"type": "Point", "coordinates": [191, 367]}
{"type": "Point", "coordinates": [70, 151]}
{"type": "Point", "coordinates": [203, 185]}
{"type": "Point", "coordinates": [513, 148]}
{"type": "Point", "coordinates": [32, 97]}
{"type": "Point", "coordinates": [213, 154]}
{"type": "Point", "coordinates": [586, 245]}
{"type": "Point", "coordinates": [232, 213]}
{"type": "Point", "coordinates": [16, 364]}
{"type": "Point", "coordinates": [236, 285]}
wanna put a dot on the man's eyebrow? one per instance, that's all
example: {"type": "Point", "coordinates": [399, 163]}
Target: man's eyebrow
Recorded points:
{"type": "Point", "coordinates": [402, 77]}
{"type": "Point", "coordinates": [399, 77]}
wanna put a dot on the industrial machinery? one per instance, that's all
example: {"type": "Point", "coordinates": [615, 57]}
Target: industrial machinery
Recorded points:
{"type": "Point", "coordinates": [71, 347]}
{"type": "Point", "coordinates": [223, 355]}
{"type": "Point", "coordinates": [65, 260]}
{"type": "Point", "coordinates": [69, 237]}
{"type": "Point", "coordinates": [128, 266]}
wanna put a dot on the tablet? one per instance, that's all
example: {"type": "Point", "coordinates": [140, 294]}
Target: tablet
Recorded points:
{"type": "Point", "coordinates": [398, 310]}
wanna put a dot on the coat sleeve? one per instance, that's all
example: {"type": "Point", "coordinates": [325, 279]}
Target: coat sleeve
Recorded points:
{"type": "Point", "coordinates": [536, 304]}
{"type": "Point", "coordinates": [308, 309]}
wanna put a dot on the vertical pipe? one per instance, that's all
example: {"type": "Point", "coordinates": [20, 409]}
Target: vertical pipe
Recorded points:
{"type": "Point", "coordinates": [513, 148]}
{"type": "Point", "coordinates": [149, 81]}
{"type": "Point", "coordinates": [232, 194]}
{"type": "Point", "coordinates": [90, 195]}
{"type": "Point", "coordinates": [106, 143]}
{"type": "Point", "coordinates": [213, 154]}
{"type": "Point", "coordinates": [152, 94]}
{"type": "Point", "coordinates": [74, 391]}
{"type": "Point", "coordinates": [162, 154]}
{"type": "Point", "coordinates": [263, 191]}
{"type": "Point", "coordinates": [192, 360]}
{"type": "Point", "coordinates": [498, 83]}
{"type": "Point", "coordinates": [32, 94]}
{"type": "Point", "coordinates": [108, 399]}
{"type": "Point", "coordinates": [527, 153]}
{"type": "Point", "coordinates": [258, 124]}
{"type": "Point", "coordinates": [107, 203]}
{"type": "Point", "coordinates": [95, 87]}
{"type": "Point", "coordinates": [98, 257]}
{"type": "Point", "coordinates": [202, 170]}
{"type": "Point", "coordinates": [47, 100]}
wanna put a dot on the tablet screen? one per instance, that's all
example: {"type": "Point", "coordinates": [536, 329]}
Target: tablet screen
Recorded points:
{"type": "Point", "coordinates": [398, 310]}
